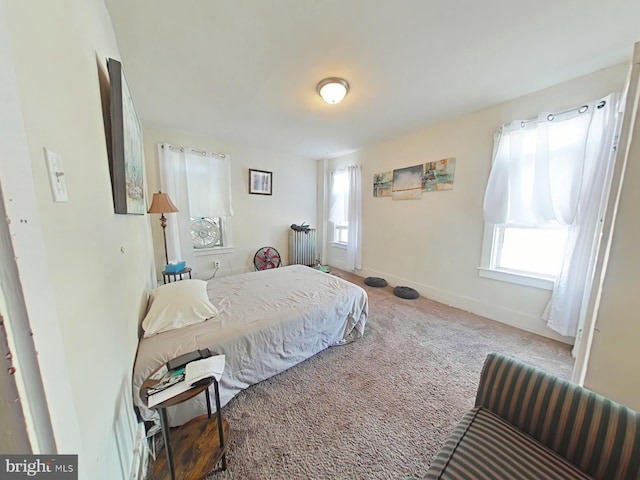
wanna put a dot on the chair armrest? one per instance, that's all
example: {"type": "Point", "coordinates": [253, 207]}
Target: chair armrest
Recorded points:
{"type": "Point", "coordinates": [599, 436]}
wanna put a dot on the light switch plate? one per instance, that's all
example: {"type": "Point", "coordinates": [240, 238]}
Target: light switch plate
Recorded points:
{"type": "Point", "coordinates": [56, 176]}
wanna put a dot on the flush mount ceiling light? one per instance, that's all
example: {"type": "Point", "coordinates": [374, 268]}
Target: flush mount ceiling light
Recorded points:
{"type": "Point", "coordinates": [333, 89]}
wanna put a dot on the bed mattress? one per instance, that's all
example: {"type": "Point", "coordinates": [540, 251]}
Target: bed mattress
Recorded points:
{"type": "Point", "coordinates": [268, 321]}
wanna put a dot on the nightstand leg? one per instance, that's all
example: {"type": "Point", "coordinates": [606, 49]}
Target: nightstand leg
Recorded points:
{"type": "Point", "coordinates": [208, 397]}
{"type": "Point", "coordinates": [219, 414]}
{"type": "Point", "coordinates": [164, 424]}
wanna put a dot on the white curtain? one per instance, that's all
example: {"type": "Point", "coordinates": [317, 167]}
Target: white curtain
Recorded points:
{"type": "Point", "coordinates": [182, 171]}
{"type": "Point", "coordinates": [537, 172]}
{"type": "Point", "coordinates": [210, 173]}
{"type": "Point", "coordinates": [574, 281]}
{"type": "Point", "coordinates": [354, 210]}
{"type": "Point", "coordinates": [345, 207]}
{"type": "Point", "coordinates": [554, 171]}
{"type": "Point", "coordinates": [173, 181]}
{"type": "Point", "coordinates": [339, 200]}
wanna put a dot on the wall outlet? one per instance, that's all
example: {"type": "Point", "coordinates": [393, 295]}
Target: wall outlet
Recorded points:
{"type": "Point", "coordinates": [216, 264]}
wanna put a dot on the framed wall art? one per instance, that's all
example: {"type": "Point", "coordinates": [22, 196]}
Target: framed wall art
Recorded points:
{"type": "Point", "coordinates": [126, 161]}
{"type": "Point", "coordinates": [260, 182]}
{"type": "Point", "coordinates": [407, 183]}
{"type": "Point", "coordinates": [382, 184]}
{"type": "Point", "coordinates": [439, 175]}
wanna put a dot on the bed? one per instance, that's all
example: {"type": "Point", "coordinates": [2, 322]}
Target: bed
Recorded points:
{"type": "Point", "coordinates": [266, 322]}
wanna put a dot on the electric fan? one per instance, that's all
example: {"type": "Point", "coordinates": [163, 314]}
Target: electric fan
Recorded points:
{"type": "Point", "coordinates": [204, 232]}
{"type": "Point", "coordinates": [265, 258]}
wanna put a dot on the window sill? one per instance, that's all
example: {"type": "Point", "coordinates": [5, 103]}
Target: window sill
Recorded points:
{"type": "Point", "coordinates": [339, 245]}
{"type": "Point", "coordinates": [201, 252]}
{"type": "Point", "coordinates": [518, 278]}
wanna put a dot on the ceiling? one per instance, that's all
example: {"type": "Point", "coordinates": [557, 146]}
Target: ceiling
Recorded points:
{"type": "Point", "coordinates": [245, 71]}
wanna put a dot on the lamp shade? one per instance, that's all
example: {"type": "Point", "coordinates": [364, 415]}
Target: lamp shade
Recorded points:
{"type": "Point", "coordinates": [161, 203]}
{"type": "Point", "coordinates": [333, 89]}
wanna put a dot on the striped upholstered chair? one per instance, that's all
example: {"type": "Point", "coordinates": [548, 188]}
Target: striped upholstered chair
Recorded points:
{"type": "Point", "coordinates": [529, 424]}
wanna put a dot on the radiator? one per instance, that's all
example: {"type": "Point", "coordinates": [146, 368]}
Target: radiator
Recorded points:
{"type": "Point", "coordinates": [302, 247]}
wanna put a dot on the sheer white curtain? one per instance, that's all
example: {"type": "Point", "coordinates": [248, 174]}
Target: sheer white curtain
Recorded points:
{"type": "Point", "coordinates": [554, 171]}
{"type": "Point", "coordinates": [185, 170]}
{"type": "Point", "coordinates": [173, 181]}
{"type": "Point", "coordinates": [208, 173]}
{"type": "Point", "coordinates": [571, 286]}
{"type": "Point", "coordinates": [345, 207]}
{"type": "Point", "coordinates": [354, 245]}
{"type": "Point", "coordinates": [537, 173]}
{"type": "Point", "coordinates": [339, 198]}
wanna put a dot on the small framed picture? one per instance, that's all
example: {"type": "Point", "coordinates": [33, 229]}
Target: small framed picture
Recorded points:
{"type": "Point", "coordinates": [260, 182]}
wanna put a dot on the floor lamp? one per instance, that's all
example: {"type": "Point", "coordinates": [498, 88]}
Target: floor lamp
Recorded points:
{"type": "Point", "coordinates": [161, 203]}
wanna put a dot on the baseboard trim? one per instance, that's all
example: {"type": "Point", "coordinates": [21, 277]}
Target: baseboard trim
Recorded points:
{"type": "Point", "coordinates": [523, 321]}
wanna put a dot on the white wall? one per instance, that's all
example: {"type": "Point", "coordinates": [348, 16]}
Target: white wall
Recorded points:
{"type": "Point", "coordinates": [259, 220]}
{"type": "Point", "coordinates": [434, 244]}
{"type": "Point", "coordinates": [19, 267]}
{"type": "Point", "coordinates": [99, 264]}
{"type": "Point", "coordinates": [612, 368]}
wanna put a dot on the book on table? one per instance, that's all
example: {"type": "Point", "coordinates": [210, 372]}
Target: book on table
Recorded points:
{"type": "Point", "coordinates": [204, 369]}
{"type": "Point", "coordinates": [179, 380]}
{"type": "Point", "coordinates": [182, 360]}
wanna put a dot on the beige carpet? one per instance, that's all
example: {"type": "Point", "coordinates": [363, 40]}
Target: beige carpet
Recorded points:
{"type": "Point", "coordinates": [378, 408]}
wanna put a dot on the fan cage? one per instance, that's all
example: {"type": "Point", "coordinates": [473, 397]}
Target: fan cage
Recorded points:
{"type": "Point", "coordinates": [267, 258]}
{"type": "Point", "coordinates": [206, 232]}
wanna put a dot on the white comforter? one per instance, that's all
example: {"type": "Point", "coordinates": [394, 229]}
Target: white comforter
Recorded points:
{"type": "Point", "coordinates": [268, 321]}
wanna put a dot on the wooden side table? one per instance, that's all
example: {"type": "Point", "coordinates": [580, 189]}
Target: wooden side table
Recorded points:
{"type": "Point", "coordinates": [198, 446]}
{"type": "Point", "coordinates": [166, 276]}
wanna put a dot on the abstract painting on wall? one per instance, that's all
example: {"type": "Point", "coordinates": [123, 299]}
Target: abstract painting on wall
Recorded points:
{"type": "Point", "coordinates": [407, 183]}
{"type": "Point", "coordinates": [438, 175]}
{"type": "Point", "coordinates": [382, 183]}
{"type": "Point", "coordinates": [126, 161]}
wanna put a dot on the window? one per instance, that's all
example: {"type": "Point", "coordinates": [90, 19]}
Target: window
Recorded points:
{"type": "Point", "coordinates": [528, 256]}
{"type": "Point", "coordinates": [207, 232]}
{"type": "Point", "coordinates": [531, 199]}
{"type": "Point", "coordinates": [344, 227]}
{"type": "Point", "coordinates": [547, 193]}
{"type": "Point", "coordinates": [338, 215]}
{"type": "Point", "coordinates": [341, 233]}
{"type": "Point", "coordinates": [531, 250]}
{"type": "Point", "coordinates": [206, 178]}
{"type": "Point", "coordinates": [199, 184]}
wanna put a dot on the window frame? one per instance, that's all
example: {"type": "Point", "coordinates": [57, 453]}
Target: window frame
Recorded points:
{"type": "Point", "coordinates": [339, 229]}
{"type": "Point", "coordinates": [218, 221]}
{"type": "Point", "coordinates": [227, 245]}
{"type": "Point", "coordinates": [335, 227]}
{"type": "Point", "coordinates": [490, 247]}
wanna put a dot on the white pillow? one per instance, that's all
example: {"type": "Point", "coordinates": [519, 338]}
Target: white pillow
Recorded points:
{"type": "Point", "coordinates": [177, 305]}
